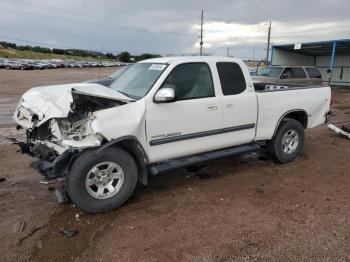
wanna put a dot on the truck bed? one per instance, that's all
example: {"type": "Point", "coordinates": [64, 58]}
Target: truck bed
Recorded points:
{"type": "Point", "coordinates": [276, 101]}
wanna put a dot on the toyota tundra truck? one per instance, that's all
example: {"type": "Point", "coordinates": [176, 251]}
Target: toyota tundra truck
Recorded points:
{"type": "Point", "coordinates": [161, 114]}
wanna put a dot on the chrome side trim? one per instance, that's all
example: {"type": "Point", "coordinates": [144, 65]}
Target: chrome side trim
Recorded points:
{"type": "Point", "coordinates": [167, 140]}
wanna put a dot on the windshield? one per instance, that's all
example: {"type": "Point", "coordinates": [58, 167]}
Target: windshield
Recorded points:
{"type": "Point", "coordinates": [138, 79]}
{"type": "Point", "coordinates": [117, 73]}
{"type": "Point", "coordinates": [270, 71]}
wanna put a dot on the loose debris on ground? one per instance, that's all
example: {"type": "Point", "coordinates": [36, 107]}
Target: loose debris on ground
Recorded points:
{"type": "Point", "coordinates": [69, 232]}
{"type": "Point", "coordinates": [62, 196]}
{"type": "Point", "coordinates": [344, 131]}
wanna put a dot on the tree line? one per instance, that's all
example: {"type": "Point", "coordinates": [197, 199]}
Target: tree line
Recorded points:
{"type": "Point", "coordinates": [123, 56]}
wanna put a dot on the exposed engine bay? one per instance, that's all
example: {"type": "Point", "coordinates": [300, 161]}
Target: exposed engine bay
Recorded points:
{"type": "Point", "coordinates": [75, 131]}
{"type": "Point", "coordinates": [58, 141]}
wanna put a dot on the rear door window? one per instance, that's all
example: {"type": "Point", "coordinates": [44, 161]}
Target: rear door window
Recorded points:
{"type": "Point", "coordinates": [231, 78]}
{"type": "Point", "coordinates": [294, 72]}
{"type": "Point", "coordinates": [313, 72]}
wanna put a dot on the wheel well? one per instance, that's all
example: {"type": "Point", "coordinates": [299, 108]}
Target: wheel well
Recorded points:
{"type": "Point", "coordinates": [134, 148]}
{"type": "Point", "coordinates": [299, 116]}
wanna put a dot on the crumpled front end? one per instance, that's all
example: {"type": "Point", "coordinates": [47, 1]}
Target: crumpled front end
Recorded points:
{"type": "Point", "coordinates": [59, 126]}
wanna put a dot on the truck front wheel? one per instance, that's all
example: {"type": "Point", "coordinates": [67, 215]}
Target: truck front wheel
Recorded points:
{"type": "Point", "coordinates": [102, 181]}
{"type": "Point", "coordinates": [288, 141]}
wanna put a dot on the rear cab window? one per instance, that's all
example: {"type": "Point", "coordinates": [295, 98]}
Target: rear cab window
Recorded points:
{"type": "Point", "coordinates": [231, 78]}
{"type": "Point", "coordinates": [313, 72]}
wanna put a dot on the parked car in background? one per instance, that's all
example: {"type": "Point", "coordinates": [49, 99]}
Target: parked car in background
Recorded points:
{"type": "Point", "coordinates": [252, 71]}
{"type": "Point", "coordinates": [53, 63]}
{"type": "Point", "coordinates": [106, 81]}
{"type": "Point", "coordinates": [2, 63]}
{"type": "Point", "coordinates": [287, 75]}
{"type": "Point", "coordinates": [13, 64]}
{"type": "Point", "coordinates": [36, 65]}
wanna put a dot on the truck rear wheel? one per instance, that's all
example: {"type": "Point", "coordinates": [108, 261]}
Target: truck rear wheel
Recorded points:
{"type": "Point", "coordinates": [288, 141]}
{"type": "Point", "coordinates": [102, 181]}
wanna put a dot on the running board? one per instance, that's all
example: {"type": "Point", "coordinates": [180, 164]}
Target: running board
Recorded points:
{"type": "Point", "coordinates": [196, 159]}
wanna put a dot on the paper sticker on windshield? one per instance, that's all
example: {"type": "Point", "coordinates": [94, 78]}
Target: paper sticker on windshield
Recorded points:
{"type": "Point", "coordinates": [156, 67]}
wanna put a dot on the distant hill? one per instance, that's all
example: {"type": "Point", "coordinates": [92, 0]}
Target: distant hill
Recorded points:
{"type": "Point", "coordinates": [26, 54]}
{"type": "Point", "coordinates": [12, 50]}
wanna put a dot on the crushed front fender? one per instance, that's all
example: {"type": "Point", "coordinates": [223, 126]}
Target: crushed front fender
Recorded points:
{"type": "Point", "coordinates": [58, 167]}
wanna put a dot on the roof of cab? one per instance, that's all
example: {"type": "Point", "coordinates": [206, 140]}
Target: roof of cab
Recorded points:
{"type": "Point", "coordinates": [173, 59]}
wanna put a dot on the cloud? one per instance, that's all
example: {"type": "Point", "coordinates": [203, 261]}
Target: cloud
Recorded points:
{"type": "Point", "coordinates": [232, 34]}
{"type": "Point", "coordinates": [164, 27]}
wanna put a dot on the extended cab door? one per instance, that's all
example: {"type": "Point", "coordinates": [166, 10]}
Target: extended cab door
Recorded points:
{"type": "Point", "coordinates": [192, 123]}
{"type": "Point", "coordinates": [239, 104]}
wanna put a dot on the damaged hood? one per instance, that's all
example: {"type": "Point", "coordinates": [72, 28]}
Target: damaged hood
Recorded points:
{"type": "Point", "coordinates": [42, 103]}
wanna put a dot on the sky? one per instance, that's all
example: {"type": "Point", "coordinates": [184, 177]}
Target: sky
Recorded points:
{"type": "Point", "coordinates": [172, 27]}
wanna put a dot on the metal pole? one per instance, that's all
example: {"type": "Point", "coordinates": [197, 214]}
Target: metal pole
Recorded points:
{"type": "Point", "coordinates": [228, 51]}
{"type": "Point", "coordinates": [268, 43]}
{"type": "Point", "coordinates": [332, 62]}
{"type": "Point", "coordinates": [271, 55]}
{"type": "Point", "coordinates": [201, 42]}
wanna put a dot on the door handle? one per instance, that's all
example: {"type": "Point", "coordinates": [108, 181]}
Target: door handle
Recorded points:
{"type": "Point", "coordinates": [212, 107]}
{"type": "Point", "coordinates": [230, 105]}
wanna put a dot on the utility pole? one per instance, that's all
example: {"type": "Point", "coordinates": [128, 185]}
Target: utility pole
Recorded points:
{"type": "Point", "coordinates": [201, 37]}
{"type": "Point", "coordinates": [254, 54]}
{"type": "Point", "coordinates": [228, 51]}
{"type": "Point", "coordinates": [268, 43]}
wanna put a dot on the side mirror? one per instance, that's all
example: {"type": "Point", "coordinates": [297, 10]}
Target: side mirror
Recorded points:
{"type": "Point", "coordinates": [284, 76]}
{"type": "Point", "coordinates": [165, 95]}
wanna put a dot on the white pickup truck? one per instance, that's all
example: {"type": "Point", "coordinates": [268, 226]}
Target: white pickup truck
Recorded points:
{"type": "Point", "coordinates": [161, 114]}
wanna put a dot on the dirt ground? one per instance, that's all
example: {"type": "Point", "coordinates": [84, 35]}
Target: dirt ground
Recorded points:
{"type": "Point", "coordinates": [236, 209]}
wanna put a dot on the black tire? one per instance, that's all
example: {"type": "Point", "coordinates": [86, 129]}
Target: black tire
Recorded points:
{"type": "Point", "coordinates": [75, 182]}
{"type": "Point", "coordinates": [275, 147]}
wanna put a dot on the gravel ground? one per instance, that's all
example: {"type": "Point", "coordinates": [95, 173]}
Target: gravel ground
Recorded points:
{"type": "Point", "coordinates": [243, 208]}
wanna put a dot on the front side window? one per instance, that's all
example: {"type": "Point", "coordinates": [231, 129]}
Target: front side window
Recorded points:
{"type": "Point", "coordinates": [231, 78]}
{"type": "Point", "coordinates": [190, 81]}
{"type": "Point", "coordinates": [269, 71]}
{"type": "Point", "coordinates": [137, 80]}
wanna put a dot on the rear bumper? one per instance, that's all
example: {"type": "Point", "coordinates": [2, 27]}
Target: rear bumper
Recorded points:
{"type": "Point", "coordinates": [327, 116]}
